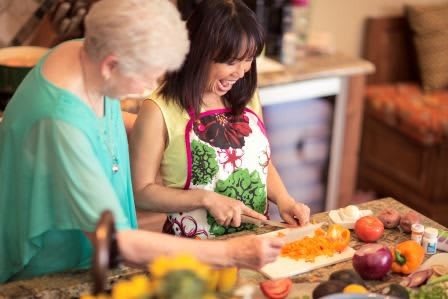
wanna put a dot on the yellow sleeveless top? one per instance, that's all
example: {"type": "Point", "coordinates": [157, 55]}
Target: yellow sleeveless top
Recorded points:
{"type": "Point", "coordinates": [174, 168]}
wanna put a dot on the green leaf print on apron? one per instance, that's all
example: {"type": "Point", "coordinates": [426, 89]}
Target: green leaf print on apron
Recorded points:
{"type": "Point", "coordinates": [229, 155]}
{"type": "Point", "coordinates": [205, 165]}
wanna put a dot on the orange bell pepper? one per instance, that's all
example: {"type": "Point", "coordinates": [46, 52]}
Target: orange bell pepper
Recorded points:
{"type": "Point", "coordinates": [339, 237]}
{"type": "Point", "coordinates": [407, 257]}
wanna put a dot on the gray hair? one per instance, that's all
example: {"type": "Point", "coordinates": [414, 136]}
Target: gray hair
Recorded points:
{"type": "Point", "coordinates": [141, 33]}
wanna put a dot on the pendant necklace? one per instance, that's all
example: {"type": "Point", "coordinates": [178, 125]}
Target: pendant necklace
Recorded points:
{"type": "Point", "coordinates": [111, 148]}
{"type": "Point", "coordinates": [104, 136]}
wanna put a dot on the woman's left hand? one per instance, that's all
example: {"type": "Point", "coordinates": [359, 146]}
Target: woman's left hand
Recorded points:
{"type": "Point", "coordinates": [294, 212]}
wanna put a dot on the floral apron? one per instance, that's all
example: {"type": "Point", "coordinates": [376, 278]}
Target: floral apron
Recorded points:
{"type": "Point", "coordinates": [229, 155]}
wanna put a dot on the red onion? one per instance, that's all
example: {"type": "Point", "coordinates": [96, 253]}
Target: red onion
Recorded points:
{"type": "Point", "coordinates": [372, 261]}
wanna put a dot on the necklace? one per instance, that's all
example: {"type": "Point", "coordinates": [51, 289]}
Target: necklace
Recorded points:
{"type": "Point", "coordinates": [107, 141]}
{"type": "Point", "coordinates": [105, 135]}
{"type": "Point", "coordinates": [86, 92]}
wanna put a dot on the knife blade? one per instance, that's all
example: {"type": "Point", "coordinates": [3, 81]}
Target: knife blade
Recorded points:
{"type": "Point", "coordinates": [296, 233]}
{"type": "Point", "coordinates": [259, 222]}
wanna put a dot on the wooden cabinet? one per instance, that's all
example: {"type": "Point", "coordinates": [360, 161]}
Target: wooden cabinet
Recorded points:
{"type": "Point", "coordinates": [393, 164]}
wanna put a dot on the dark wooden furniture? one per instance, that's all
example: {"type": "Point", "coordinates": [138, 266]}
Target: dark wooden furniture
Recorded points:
{"type": "Point", "coordinates": [388, 45]}
{"type": "Point", "coordinates": [393, 163]}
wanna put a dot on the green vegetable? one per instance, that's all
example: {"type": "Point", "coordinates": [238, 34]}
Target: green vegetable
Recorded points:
{"type": "Point", "coordinates": [180, 285]}
{"type": "Point", "coordinates": [435, 289]}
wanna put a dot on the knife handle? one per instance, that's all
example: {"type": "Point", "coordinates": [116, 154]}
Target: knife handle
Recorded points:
{"type": "Point", "coordinates": [259, 222]}
{"type": "Point", "coordinates": [250, 220]}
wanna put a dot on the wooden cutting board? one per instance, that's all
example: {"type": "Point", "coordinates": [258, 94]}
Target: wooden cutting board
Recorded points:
{"type": "Point", "coordinates": [286, 267]}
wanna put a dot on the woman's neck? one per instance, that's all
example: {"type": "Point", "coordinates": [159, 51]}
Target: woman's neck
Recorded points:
{"type": "Point", "coordinates": [91, 83]}
{"type": "Point", "coordinates": [212, 101]}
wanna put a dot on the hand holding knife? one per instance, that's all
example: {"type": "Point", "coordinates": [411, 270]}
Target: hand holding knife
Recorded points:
{"type": "Point", "coordinates": [259, 222]}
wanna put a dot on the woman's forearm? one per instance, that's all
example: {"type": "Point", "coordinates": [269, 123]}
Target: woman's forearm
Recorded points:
{"type": "Point", "coordinates": [140, 247]}
{"type": "Point", "coordinates": [291, 211]}
{"type": "Point", "coordinates": [275, 187]}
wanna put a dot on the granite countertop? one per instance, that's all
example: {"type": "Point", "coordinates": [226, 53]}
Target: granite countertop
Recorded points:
{"type": "Point", "coordinates": [317, 66]}
{"type": "Point", "coordinates": [72, 284]}
{"type": "Point", "coordinates": [390, 237]}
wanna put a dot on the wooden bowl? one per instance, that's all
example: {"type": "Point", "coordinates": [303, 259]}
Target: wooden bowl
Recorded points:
{"type": "Point", "coordinates": [15, 63]}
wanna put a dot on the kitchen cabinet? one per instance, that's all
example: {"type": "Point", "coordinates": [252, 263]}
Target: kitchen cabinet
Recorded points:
{"type": "Point", "coordinates": [300, 136]}
{"type": "Point", "coordinates": [313, 114]}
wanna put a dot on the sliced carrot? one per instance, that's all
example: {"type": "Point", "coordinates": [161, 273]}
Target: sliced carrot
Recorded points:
{"type": "Point", "coordinates": [320, 244]}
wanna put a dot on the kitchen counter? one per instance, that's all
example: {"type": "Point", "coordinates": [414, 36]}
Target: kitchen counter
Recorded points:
{"type": "Point", "coordinates": [390, 238]}
{"type": "Point", "coordinates": [62, 285]}
{"type": "Point", "coordinates": [317, 67]}
{"type": "Point", "coordinates": [72, 284]}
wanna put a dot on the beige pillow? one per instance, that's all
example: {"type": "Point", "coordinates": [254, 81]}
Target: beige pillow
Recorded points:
{"type": "Point", "coordinates": [430, 27]}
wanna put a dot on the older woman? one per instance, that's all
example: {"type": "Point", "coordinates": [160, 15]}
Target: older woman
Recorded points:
{"type": "Point", "coordinates": [202, 132]}
{"type": "Point", "coordinates": [63, 147]}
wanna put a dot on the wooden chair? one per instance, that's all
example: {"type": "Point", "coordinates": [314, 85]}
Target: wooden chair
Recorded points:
{"type": "Point", "coordinates": [395, 159]}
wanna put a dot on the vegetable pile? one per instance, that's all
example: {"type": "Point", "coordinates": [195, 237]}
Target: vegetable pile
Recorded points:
{"type": "Point", "coordinates": [334, 240]}
{"type": "Point", "coordinates": [181, 276]}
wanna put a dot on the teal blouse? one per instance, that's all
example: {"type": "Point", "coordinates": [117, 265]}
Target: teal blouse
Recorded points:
{"type": "Point", "coordinates": [56, 178]}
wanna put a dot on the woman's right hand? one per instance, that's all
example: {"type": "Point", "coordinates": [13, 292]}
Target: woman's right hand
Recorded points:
{"type": "Point", "coordinates": [253, 252]}
{"type": "Point", "coordinates": [227, 211]}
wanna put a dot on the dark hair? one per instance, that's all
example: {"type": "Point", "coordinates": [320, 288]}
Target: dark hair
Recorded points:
{"type": "Point", "coordinates": [218, 31]}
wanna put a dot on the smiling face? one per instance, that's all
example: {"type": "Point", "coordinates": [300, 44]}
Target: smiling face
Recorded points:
{"type": "Point", "coordinates": [222, 76]}
{"type": "Point", "coordinates": [220, 68]}
{"type": "Point", "coordinates": [224, 71]}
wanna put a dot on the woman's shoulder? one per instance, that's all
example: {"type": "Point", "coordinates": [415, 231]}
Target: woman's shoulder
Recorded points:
{"type": "Point", "coordinates": [254, 104]}
{"type": "Point", "coordinates": [159, 98]}
{"type": "Point", "coordinates": [61, 66]}
{"type": "Point", "coordinates": [165, 104]}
